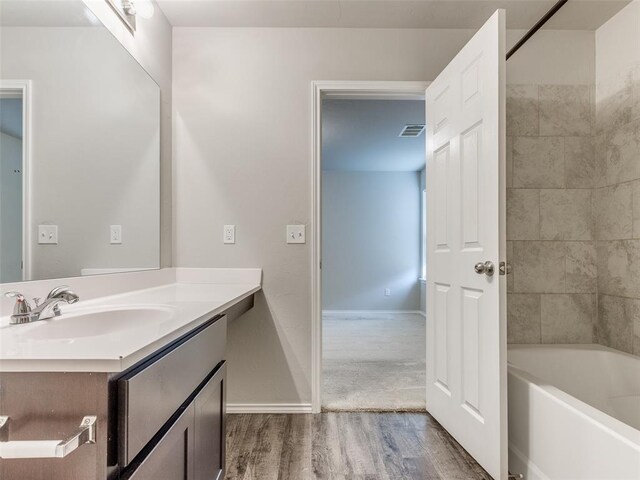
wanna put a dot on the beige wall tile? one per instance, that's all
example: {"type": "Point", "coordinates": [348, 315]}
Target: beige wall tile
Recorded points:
{"type": "Point", "coordinates": [579, 162]}
{"type": "Point", "coordinates": [567, 318]}
{"type": "Point", "coordinates": [592, 101]}
{"type": "Point", "coordinates": [538, 162]}
{"type": "Point", "coordinates": [636, 335]}
{"type": "Point", "coordinates": [565, 110]}
{"type": "Point", "coordinates": [635, 92]}
{"type": "Point", "coordinates": [510, 262]}
{"type": "Point", "coordinates": [539, 267]}
{"type": "Point", "coordinates": [622, 160]}
{"type": "Point", "coordinates": [523, 318]}
{"type": "Point", "coordinates": [614, 217]}
{"type": "Point", "coordinates": [523, 214]}
{"type": "Point", "coordinates": [614, 326]}
{"type": "Point", "coordinates": [613, 104]}
{"type": "Point", "coordinates": [600, 143]}
{"type": "Point", "coordinates": [566, 214]}
{"type": "Point", "coordinates": [522, 110]}
{"type": "Point", "coordinates": [509, 155]}
{"type": "Point", "coordinates": [636, 209]}
{"type": "Point", "coordinates": [619, 267]}
{"type": "Point", "coordinates": [581, 271]}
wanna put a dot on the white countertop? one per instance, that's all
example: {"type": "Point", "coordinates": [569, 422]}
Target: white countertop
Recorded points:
{"type": "Point", "coordinates": [184, 306]}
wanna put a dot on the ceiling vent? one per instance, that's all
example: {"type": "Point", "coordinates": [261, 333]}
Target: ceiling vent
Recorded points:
{"type": "Point", "coordinates": [412, 130]}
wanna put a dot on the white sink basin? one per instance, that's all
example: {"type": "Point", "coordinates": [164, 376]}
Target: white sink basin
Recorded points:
{"type": "Point", "coordinates": [96, 322]}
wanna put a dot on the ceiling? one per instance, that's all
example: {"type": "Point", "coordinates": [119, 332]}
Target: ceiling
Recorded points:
{"type": "Point", "coordinates": [46, 13]}
{"type": "Point", "coordinates": [362, 135]}
{"type": "Point", "coordinates": [521, 14]}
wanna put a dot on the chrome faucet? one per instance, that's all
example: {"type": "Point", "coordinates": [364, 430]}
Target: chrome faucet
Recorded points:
{"type": "Point", "coordinates": [22, 312]}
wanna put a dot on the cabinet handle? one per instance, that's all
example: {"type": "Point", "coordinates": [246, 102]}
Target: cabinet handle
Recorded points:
{"type": "Point", "coordinates": [86, 433]}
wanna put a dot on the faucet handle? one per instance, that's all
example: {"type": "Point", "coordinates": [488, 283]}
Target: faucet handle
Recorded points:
{"type": "Point", "coordinates": [17, 295]}
{"type": "Point", "coordinates": [22, 306]}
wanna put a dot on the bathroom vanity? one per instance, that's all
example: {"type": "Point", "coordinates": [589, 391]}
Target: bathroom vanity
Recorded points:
{"type": "Point", "coordinates": [148, 364]}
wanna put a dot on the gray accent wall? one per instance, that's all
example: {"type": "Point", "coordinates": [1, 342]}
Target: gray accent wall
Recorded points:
{"type": "Point", "coordinates": [370, 240]}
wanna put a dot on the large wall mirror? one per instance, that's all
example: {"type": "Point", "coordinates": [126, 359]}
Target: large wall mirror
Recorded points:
{"type": "Point", "coordinates": [79, 147]}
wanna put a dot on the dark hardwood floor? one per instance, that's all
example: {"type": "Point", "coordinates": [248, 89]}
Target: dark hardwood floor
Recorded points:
{"type": "Point", "coordinates": [345, 446]}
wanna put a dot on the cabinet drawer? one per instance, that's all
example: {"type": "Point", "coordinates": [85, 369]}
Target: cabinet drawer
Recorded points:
{"type": "Point", "coordinates": [209, 432]}
{"type": "Point", "coordinates": [172, 457]}
{"type": "Point", "coordinates": [152, 392]}
{"type": "Point", "coordinates": [191, 446]}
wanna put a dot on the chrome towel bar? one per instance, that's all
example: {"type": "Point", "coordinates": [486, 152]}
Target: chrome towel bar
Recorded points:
{"type": "Point", "coordinates": [86, 433]}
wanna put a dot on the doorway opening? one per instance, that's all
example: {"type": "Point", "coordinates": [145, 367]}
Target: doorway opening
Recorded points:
{"type": "Point", "coordinates": [14, 170]}
{"type": "Point", "coordinates": [369, 318]}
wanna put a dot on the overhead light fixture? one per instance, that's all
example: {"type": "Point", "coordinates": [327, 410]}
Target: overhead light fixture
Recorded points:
{"type": "Point", "coordinates": [139, 8]}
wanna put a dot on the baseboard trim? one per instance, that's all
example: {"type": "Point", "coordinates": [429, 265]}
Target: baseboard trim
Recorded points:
{"type": "Point", "coordinates": [330, 313]}
{"type": "Point", "coordinates": [269, 408]}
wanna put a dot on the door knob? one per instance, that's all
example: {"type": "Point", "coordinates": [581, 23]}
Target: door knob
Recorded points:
{"type": "Point", "coordinates": [487, 268]}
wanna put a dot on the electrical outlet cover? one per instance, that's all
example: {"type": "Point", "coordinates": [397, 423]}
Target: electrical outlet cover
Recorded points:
{"type": "Point", "coordinates": [115, 234]}
{"type": "Point", "coordinates": [229, 234]}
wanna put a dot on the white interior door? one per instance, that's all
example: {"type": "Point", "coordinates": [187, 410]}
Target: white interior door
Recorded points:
{"type": "Point", "coordinates": [466, 322]}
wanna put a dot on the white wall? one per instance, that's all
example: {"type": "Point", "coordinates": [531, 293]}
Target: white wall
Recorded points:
{"type": "Point", "coordinates": [370, 240]}
{"type": "Point", "coordinates": [555, 57]}
{"type": "Point", "coordinates": [95, 148]}
{"type": "Point", "coordinates": [150, 45]}
{"type": "Point", "coordinates": [10, 208]}
{"type": "Point", "coordinates": [242, 141]}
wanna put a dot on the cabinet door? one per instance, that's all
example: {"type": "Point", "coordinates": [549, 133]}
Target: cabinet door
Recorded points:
{"type": "Point", "coordinates": [172, 457]}
{"type": "Point", "coordinates": [210, 428]}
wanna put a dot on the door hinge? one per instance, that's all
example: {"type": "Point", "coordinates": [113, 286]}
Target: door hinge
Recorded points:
{"type": "Point", "coordinates": [504, 268]}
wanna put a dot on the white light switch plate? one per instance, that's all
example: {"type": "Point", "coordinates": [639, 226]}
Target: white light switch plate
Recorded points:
{"type": "Point", "coordinates": [229, 234]}
{"type": "Point", "coordinates": [115, 234]}
{"type": "Point", "coordinates": [296, 234]}
{"type": "Point", "coordinates": [48, 234]}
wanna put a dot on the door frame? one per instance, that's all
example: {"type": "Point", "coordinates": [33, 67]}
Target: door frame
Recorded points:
{"type": "Point", "coordinates": [389, 90]}
{"type": "Point", "coordinates": [24, 89]}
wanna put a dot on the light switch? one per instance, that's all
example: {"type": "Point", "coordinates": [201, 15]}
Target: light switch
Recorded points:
{"type": "Point", "coordinates": [229, 235]}
{"type": "Point", "coordinates": [387, 292]}
{"type": "Point", "coordinates": [115, 235]}
{"type": "Point", "coordinates": [296, 234]}
{"type": "Point", "coordinates": [48, 234]}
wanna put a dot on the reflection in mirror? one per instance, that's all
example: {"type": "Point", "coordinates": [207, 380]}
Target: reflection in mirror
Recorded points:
{"type": "Point", "coordinates": [79, 147]}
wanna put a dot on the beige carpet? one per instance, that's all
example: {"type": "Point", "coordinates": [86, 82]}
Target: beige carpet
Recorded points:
{"type": "Point", "coordinates": [373, 361]}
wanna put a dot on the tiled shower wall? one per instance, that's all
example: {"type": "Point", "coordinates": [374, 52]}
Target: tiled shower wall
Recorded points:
{"type": "Point", "coordinates": [550, 219]}
{"type": "Point", "coordinates": [617, 209]}
{"type": "Point", "coordinates": [573, 213]}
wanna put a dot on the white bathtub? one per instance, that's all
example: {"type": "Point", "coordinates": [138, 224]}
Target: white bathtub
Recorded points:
{"type": "Point", "coordinates": [574, 412]}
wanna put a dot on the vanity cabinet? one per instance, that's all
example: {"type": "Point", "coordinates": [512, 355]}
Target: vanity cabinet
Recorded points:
{"type": "Point", "coordinates": [171, 409]}
{"type": "Point", "coordinates": [151, 392]}
{"type": "Point", "coordinates": [192, 446]}
{"type": "Point", "coordinates": [161, 419]}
